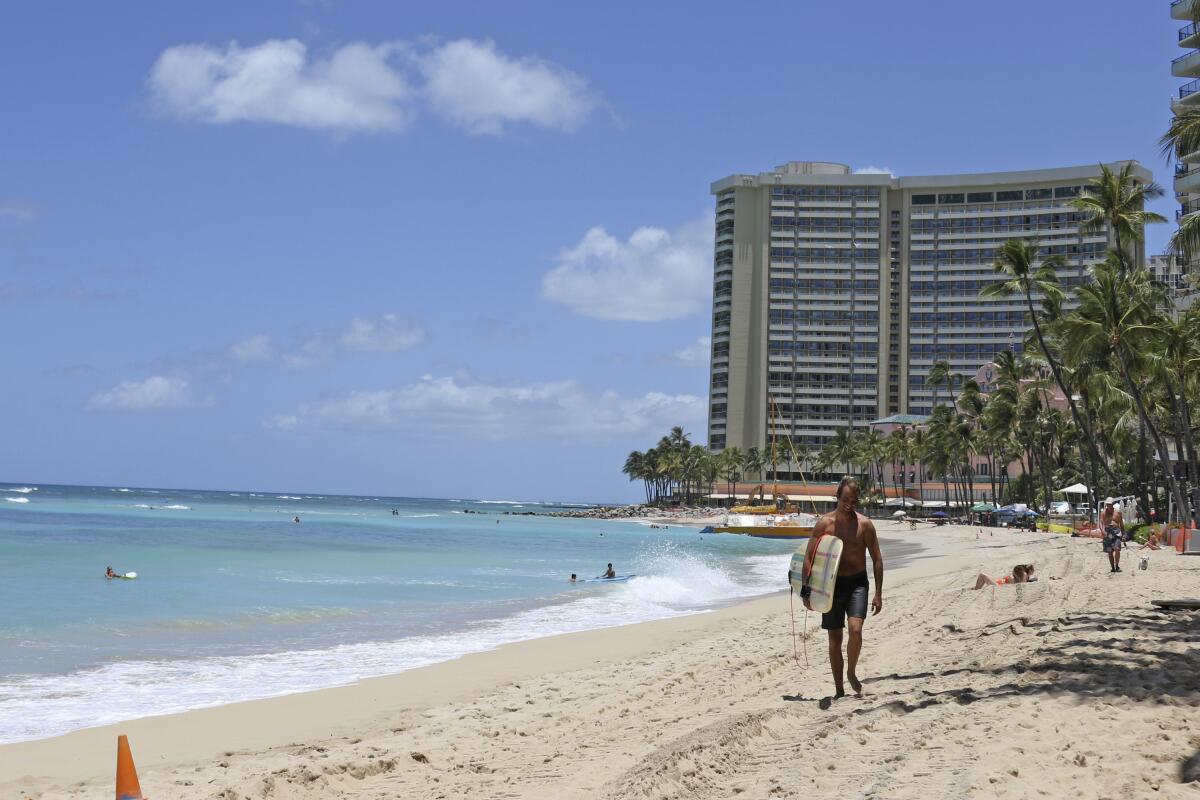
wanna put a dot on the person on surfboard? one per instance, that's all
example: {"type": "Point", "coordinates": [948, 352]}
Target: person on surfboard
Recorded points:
{"type": "Point", "coordinates": [609, 573]}
{"type": "Point", "coordinates": [109, 573]}
{"type": "Point", "coordinates": [850, 593]}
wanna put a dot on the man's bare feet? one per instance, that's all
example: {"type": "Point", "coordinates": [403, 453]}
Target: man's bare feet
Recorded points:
{"type": "Point", "coordinates": [855, 684]}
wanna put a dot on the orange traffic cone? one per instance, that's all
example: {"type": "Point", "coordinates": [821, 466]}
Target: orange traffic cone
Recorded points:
{"type": "Point", "coordinates": [128, 787]}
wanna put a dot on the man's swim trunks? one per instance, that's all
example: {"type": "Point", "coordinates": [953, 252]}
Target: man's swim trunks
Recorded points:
{"type": "Point", "coordinates": [1112, 538]}
{"type": "Point", "coordinates": [849, 600]}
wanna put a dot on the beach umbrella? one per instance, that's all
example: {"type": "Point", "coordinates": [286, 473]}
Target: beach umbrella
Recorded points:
{"type": "Point", "coordinates": [983, 507]}
{"type": "Point", "coordinates": [900, 514]}
{"type": "Point", "coordinates": [940, 514]}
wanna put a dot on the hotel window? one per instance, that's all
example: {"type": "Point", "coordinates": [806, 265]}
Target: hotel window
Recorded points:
{"type": "Point", "coordinates": [1038, 194]}
{"type": "Point", "coordinates": [923, 199]}
{"type": "Point", "coordinates": [949, 198]}
{"type": "Point", "coordinates": [1005, 197]}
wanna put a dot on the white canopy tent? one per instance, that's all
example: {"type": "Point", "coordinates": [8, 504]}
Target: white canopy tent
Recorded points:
{"type": "Point", "coordinates": [1077, 488]}
{"type": "Point", "coordinates": [896, 502]}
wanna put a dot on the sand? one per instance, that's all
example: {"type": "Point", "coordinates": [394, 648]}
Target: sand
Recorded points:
{"type": "Point", "coordinates": [1075, 686]}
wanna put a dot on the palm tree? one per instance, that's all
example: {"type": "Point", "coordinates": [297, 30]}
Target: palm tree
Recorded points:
{"type": "Point", "coordinates": [1182, 138]}
{"type": "Point", "coordinates": [1018, 261]}
{"type": "Point", "coordinates": [731, 469]}
{"type": "Point", "coordinates": [841, 449]}
{"type": "Point", "coordinates": [1116, 201]}
{"type": "Point", "coordinates": [754, 463]}
{"type": "Point", "coordinates": [1119, 310]}
{"type": "Point", "coordinates": [799, 453]}
{"type": "Point", "coordinates": [635, 468]}
{"type": "Point", "coordinates": [939, 375]}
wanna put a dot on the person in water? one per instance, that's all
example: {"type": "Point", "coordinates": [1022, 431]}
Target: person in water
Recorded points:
{"type": "Point", "coordinates": [108, 573]}
{"type": "Point", "coordinates": [610, 572]}
{"type": "Point", "coordinates": [857, 533]}
{"type": "Point", "coordinates": [573, 578]}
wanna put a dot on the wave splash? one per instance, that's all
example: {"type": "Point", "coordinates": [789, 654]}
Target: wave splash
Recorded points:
{"type": "Point", "coordinates": [671, 581]}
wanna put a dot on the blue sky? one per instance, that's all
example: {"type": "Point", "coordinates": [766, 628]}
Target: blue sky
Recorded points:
{"type": "Point", "coordinates": [460, 250]}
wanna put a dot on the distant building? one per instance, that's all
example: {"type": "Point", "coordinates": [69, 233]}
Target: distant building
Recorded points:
{"type": "Point", "coordinates": [835, 292]}
{"type": "Point", "coordinates": [1169, 271]}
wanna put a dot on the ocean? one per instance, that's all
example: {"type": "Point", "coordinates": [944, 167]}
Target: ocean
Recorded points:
{"type": "Point", "coordinates": [235, 601]}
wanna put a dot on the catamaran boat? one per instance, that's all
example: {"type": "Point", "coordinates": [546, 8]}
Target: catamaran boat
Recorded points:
{"type": "Point", "coordinates": [769, 526]}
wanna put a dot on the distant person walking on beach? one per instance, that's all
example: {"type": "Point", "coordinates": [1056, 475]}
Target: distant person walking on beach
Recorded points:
{"type": "Point", "coordinates": [1113, 525]}
{"type": "Point", "coordinates": [850, 592]}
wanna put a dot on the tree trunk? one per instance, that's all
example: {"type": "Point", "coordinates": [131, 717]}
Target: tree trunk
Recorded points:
{"type": "Point", "coordinates": [1163, 456]}
{"type": "Point", "coordinates": [1185, 446]}
{"type": "Point", "coordinates": [1076, 417]}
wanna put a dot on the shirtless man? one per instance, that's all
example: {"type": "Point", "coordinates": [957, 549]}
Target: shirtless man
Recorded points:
{"type": "Point", "coordinates": [850, 594]}
{"type": "Point", "coordinates": [1113, 525]}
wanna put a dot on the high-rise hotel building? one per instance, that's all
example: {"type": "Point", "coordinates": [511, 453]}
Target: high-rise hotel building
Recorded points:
{"type": "Point", "coordinates": [1187, 170]}
{"type": "Point", "coordinates": [835, 292]}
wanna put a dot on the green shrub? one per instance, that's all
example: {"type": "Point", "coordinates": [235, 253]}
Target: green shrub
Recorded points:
{"type": "Point", "coordinates": [1141, 533]}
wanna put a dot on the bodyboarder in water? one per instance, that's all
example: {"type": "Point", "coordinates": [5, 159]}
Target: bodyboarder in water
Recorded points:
{"type": "Point", "coordinates": [857, 533]}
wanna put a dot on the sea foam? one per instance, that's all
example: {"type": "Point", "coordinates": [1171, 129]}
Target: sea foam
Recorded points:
{"type": "Point", "coordinates": [670, 582]}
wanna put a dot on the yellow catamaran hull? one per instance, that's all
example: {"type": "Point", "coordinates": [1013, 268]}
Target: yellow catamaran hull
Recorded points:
{"type": "Point", "coordinates": [786, 532]}
{"type": "Point", "coordinates": [790, 526]}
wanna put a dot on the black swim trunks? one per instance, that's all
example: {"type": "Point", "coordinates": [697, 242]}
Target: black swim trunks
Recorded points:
{"type": "Point", "coordinates": [849, 600]}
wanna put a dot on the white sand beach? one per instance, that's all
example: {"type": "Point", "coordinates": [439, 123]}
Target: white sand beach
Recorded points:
{"type": "Point", "coordinates": [1074, 686]}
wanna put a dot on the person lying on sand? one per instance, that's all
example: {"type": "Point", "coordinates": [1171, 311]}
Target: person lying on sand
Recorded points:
{"type": "Point", "coordinates": [1022, 573]}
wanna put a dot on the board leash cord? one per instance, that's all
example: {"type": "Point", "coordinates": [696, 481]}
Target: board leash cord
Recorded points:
{"type": "Point", "coordinates": [804, 637]}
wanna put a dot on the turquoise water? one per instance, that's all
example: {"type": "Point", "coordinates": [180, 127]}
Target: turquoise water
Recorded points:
{"type": "Point", "coordinates": [235, 601]}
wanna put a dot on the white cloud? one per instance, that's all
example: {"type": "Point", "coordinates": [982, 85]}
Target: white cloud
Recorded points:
{"type": "Point", "coordinates": [256, 348]}
{"type": "Point", "coordinates": [314, 352]}
{"type": "Point", "coordinates": [461, 406]}
{"type": "Point", "coordinates": [480, 88]}
{"type": "Point", "coordinates": [694, 355]}
{"type": "Point", "coordinates": [656, 275]}
{"type": "Point", "coordinates": [875, 171]}
{"type": "Point", "coordinates": [386, 334]}
{"type": "Point", "coordinates": [355, 89]}
{"type": "Point", "coordinates": [156, 391]}
{"type": "Point", "coordinates": [363, 87]}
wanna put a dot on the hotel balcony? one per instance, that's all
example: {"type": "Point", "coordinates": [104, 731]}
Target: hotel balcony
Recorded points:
{"type": "Point", "coordinates": [1182, 9]}
{"type": "Point", "coordinates": [1187, 65]}
{"type": "Point", "coordinates": [1186, 209]}
{"type": "Point", "coordinates": [1187, 179]}
{"type": "Point", "coordinates": [1189, 35]}
{"type": "Point", "coordinates": [1189, 96]}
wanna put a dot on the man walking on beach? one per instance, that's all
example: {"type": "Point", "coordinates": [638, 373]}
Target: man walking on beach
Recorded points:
{"type": "Point", "coordinates": [850, 592]}
{"type": "Point", "coordinates": [1113, 525]}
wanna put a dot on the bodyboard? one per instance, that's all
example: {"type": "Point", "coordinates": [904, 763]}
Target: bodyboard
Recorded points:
{"type": "Point", "coordinates": [824, 572]}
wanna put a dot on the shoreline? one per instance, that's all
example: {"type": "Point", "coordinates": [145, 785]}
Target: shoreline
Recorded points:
{"type": "Point", "coordinates": [407, 731]}
{"type": "Point", "coordinates": [360, 701]}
